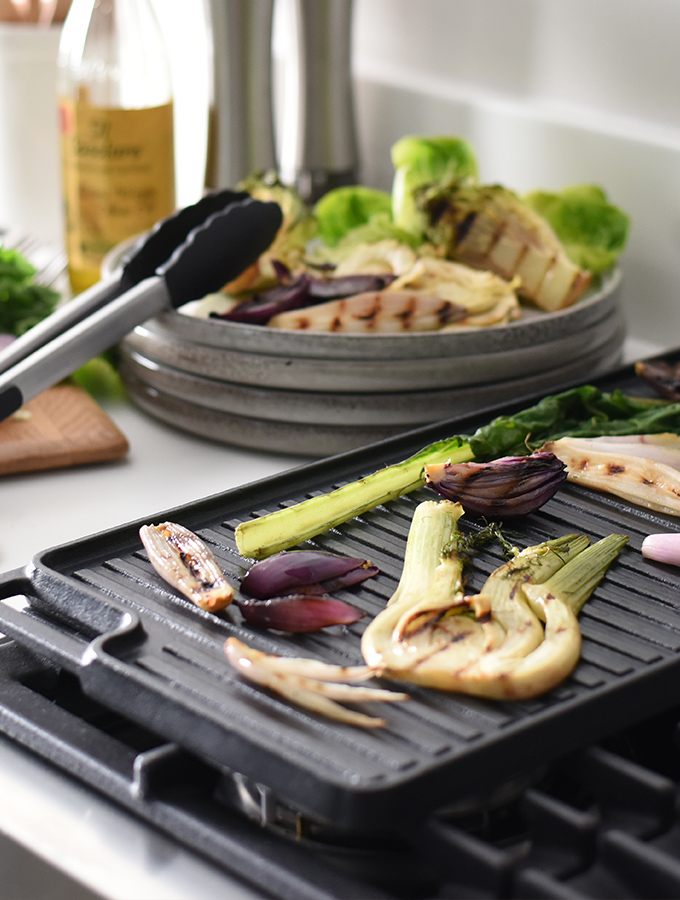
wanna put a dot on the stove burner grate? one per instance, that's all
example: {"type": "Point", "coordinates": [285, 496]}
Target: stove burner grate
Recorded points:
{"type": "Point", "coordinates": [602, 822]}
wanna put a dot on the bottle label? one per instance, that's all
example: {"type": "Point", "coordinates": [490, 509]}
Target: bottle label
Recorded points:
{"type": "Point", "coordinates": [118, 174]}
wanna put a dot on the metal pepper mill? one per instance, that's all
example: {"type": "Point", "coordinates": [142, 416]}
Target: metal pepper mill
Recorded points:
{"type": "Point", "coordinates": [325, 144]}
{"type": "Point", "coordinates": [241, 128]}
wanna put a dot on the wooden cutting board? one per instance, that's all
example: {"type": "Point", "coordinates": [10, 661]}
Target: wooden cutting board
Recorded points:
{"type": "Point", "coordinates": [63, 426]}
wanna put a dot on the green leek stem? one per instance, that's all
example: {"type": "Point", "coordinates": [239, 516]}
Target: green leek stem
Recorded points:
{"type": "Point", "coordinates": [577, 580]}
{"type": "Point", "coordinates": [285, 528]}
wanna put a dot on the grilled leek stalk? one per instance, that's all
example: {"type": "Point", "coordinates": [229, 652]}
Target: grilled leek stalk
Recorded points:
{"type": "Point", "coordinates": [291, 525]}
{"type": "Point", "coordinates": [638, 479]}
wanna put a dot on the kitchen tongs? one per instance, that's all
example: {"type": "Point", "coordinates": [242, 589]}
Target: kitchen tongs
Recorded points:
{"type": "Point", "coordinates": [194, 252]}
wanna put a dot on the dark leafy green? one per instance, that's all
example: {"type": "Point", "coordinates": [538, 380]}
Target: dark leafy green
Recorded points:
{"type": "Point", "coordinates": [585, 411]}
{"type": "Point", "coordinates": [23, 302]}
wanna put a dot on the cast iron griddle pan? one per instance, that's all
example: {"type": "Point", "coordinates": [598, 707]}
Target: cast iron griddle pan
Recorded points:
{"type": "Point", "coordinates": [97, 608]}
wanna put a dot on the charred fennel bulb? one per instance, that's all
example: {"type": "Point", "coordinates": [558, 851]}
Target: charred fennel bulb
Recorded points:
{"type": "Point", "coordinates": [494, 644]}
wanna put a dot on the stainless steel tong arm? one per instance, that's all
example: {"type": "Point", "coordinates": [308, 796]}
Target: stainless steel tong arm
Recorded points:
{"type": "Point", "coordinates": [86, 338]}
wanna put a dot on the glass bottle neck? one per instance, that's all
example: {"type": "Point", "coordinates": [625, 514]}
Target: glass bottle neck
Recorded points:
{"type": "Point", "coordinates": [112, 55]}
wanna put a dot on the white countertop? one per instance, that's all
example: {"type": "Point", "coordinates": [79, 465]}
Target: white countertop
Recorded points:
{"type": "Point", "coordinates": [163, 469]}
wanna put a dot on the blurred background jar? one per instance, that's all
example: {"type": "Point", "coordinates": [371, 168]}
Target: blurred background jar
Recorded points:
{"type": "Point", "coordinates": [116, 124]}
{"type": "Point", "coordinates": [30, 192]}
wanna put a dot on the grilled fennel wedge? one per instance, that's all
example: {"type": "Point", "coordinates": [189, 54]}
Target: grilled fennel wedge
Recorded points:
{"type": "Point", "coordinates": [493, 644]}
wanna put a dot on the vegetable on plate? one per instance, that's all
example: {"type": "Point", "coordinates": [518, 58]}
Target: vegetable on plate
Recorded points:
{"type": "Point", "coordinates": [452, 238]}
{"type": "Point", "coordinates": [489, 227]}
{"type": "Point", "coordinates": [592, 231]}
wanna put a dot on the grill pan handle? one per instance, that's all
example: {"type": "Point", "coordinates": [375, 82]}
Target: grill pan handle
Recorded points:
{"type": "Point", "coordinates": [39, 635]}
{"type": "Point", "coordinates": [20, 620]}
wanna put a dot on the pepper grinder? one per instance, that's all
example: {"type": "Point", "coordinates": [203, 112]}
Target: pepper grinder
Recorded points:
{"type": "Point", "coordinates": [241, 127]}
{"type": "Point", "coordinates": [325, 153]}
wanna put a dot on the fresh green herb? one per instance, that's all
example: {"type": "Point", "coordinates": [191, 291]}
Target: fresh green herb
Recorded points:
{"type": "Point", "coordinates": [465, 543]}
{"type": "Point", "coordinates": [23, 302]}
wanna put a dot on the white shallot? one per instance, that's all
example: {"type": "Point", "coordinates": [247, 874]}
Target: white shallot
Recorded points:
{"type": "Point", "coordinates": [182, 560]}
{"type": "Point", "coordinates": [311, 684]}
{"type": "Point", "coordinates": [663, 548]}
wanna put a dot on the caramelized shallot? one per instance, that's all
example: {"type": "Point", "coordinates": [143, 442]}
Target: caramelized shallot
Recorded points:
{"type": "Point", "coordinates": [182, 560]}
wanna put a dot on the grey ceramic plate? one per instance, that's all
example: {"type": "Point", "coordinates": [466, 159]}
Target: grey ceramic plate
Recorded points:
{"type": "Point", "coordinates": [162, 342]}
{"type": "Point", "coordinates": [406, 408]}
{"type": "Point", "coordinates": [317, 425]}
{"type": "Point", "coordinates": [536, 329]}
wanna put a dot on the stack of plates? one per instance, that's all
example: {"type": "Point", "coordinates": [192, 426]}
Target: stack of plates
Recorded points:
{"type": "Point", "coordinates": [319, 394]}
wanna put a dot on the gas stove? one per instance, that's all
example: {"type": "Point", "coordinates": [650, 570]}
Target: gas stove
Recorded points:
{"type": "Point", "coordinates": [599, 822]}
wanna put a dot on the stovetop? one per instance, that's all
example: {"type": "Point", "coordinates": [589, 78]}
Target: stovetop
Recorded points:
{"type": "Point", "coordinates": [601, 822]}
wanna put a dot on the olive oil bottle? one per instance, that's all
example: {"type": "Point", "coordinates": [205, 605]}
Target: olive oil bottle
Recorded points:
{"type": "Point", "coordinates": [116, 124]}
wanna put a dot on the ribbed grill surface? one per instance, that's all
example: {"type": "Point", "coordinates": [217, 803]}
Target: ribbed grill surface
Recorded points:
{"type": "Point", "coordinates": [166, 666]}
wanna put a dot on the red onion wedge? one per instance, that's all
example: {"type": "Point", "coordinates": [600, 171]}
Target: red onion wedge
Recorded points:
{"type": "Point", "coordinates": [299, 613]}
{"type": "Point", "coordinates": [506, 487]}
{"type": "Point", "coordinates": [300, 292]}
{"type": "Point", "coordinates": [259, 308]}
{"type": "Point", "coordinates": [304, 571]}
{"type": "Point", "coordinates": [289, 591]}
